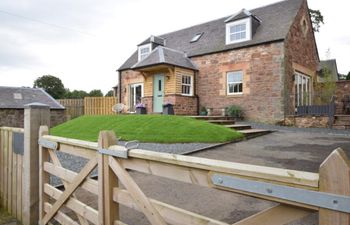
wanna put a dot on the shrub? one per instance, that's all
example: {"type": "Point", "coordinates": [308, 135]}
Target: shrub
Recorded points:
{"type": "Point", "coordinates": [235, 111]}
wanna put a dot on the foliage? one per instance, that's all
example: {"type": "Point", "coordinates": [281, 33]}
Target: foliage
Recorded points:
{"type": "Point", "coordinates": [76, 94]}
{"type": "Point", "coordinates": [52, 85]}
{"type": "Point", "coordinates": [348, 76]}
{"type": "Point", "coordinates": [109, 94]}
{"type": "Point", "coordinates": [317, 19]}
{"type": "Point", "coordinates": [96, 93]}
{"type": "Point", "coordinates": [203, 109]}
{"type": "Point", "coordinates": [326, 88]}
{"type": "Point", "coordinates": [235, 111]}
{"type": "Point", "coordinates": [146, 128]}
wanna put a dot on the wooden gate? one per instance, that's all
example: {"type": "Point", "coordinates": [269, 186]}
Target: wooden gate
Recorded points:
{"type": "Point", "coordinates": [297, 193]}
{"type": "Point", "coordinates": [11, 164]}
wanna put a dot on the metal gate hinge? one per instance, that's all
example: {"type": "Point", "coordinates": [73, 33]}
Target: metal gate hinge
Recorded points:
{"type": "Point", "coordinates": [314, 198]}
{"type": "Point", "coordinates": [48, 144]}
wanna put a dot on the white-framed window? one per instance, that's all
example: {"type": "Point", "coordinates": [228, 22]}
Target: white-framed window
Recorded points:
{"type": "Point", "coordinates": [187, 85]}
{"type": "Point", "coordinates": [238, 31]}
{"type": "Point", "coordinates": [234, 82]}
{"type": "Point", "coordinates": [302, 89]}
{"type": "Point", "coordinates": [136, 94]}
{"type": "Point", "coordinates": [144, 51]}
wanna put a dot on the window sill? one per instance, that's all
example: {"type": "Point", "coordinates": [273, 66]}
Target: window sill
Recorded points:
{"type": "Point", "coordinates": [235, 95]}
{"type": "Point", "coordinates": [187, 95]}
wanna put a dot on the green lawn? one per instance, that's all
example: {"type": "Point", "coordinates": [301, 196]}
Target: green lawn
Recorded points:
{"type": "Point", "coordinates": [146, 128]}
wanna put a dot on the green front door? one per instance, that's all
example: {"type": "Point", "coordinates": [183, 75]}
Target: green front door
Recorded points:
{"type": "Point", "coordinates": [158, 93]}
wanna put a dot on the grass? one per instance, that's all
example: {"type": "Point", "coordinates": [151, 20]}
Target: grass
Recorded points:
{"type": "Point", "coordinates": [146, 128]}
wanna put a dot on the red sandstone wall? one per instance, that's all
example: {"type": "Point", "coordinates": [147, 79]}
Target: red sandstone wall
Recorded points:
{"type": "Point", "coordinates": [300, 49]}
{"type": "Point", "coordinates": [262, 81]}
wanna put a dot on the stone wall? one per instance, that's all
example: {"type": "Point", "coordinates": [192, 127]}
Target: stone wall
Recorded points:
{"type": "Point", "coordinates": [15, 117]}
{"type": "Point", "coordinates": [262, 81]}
{"type": "Point", "coordinates": [300, 55]}
{"type": "Point", "coordinates": [342, 88]}
{"type": "Point", "coordinates": [307, 121]}
{"type": "Point", "coordinates": [183, 105]}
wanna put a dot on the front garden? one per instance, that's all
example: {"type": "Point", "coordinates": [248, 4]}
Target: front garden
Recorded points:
{"type": "Point", "coordinates": [147, 128]}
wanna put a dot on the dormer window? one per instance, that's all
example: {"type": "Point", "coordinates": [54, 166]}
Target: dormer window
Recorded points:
{"type": "Point", "coordinates": [238, 31]}
{"type": "Point", "coordinates": [144, 51]}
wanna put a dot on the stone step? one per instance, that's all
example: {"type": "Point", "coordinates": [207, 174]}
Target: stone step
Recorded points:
{"type": "Point", "coordinates": [341, 127]}
{"type": "Point", "coordinates": [238, 126]}
{"type": "Point", "coordinates": [212, 117]}
{"type": "Point", "coordinates": [252, 133]}
{"type": "Point", "coordinates": [342, 117]}
{"type": "Point", "coordinates": [222, 122]}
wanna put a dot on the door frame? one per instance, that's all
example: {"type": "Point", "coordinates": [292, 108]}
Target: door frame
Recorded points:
{"type": "Point", "coordinates": [154, 92]}
{"type": "Point", "coordinates": [134, 94]}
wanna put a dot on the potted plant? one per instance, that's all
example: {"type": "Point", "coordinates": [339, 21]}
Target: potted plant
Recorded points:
{"type": "Point", "coordinates": [140, 108]}
{"type": "Point", "coordinates": [168, 109]}
{"type": "Point", "coordinates": [235, 111]}
{"type": "Point", "coordinates": [203, 111]}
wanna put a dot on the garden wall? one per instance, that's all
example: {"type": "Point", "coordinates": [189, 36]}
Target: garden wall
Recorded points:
{"type": "Point", "coordinates": [307, 121]}
{"type": "Point", "coordinates": [15, 117]}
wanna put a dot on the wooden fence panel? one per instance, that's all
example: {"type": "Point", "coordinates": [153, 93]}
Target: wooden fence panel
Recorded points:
{"type": "Point", "coordinates": [74, 107]}
{"type": "Point", "coordinates": [99, 105]}
{"type": "Point", "coordinates": [11, 167]}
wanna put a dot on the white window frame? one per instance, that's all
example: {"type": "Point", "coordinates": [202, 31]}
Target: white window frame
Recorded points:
{"type": "Point", "coordinates": [228, 83]}
{"type": "Point", "coordinates": [301, 80]}
{"type": "Point", "coordinates": [149, 46]}
{"type": "Point", "coordinates": [189, 85]}
{"type": "Point", "coordinates": [247, 22]}
{"type": "Point", "coordinates": [133, 86]}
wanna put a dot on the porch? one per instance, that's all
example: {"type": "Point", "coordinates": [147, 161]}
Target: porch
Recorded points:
{"type": "Point", "coordinates": [163, 77]}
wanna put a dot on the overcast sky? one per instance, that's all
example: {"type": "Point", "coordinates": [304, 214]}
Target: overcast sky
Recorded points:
{"type": "Point", "coordinates": [83, 42]}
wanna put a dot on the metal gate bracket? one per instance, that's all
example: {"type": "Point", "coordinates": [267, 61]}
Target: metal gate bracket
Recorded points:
{"type": "Point", "coordinates": [119, 153]}
{"type": "Point", "coordinates": [314, 198]}
{"type": "Point", "coordinates": [48, 144]}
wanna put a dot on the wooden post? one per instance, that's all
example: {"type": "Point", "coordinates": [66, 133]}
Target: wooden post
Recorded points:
{"type": "Point", "coordinates": [108, 210]}
{"type": "Point", "coordinates": [35, 115]}
{"type": "Point", "coordinates": [335, 178]}
{"type": "Point", "coordinates": [43, 176]}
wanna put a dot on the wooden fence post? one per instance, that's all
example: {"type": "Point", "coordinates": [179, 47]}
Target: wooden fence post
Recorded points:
{"type": "Point", "coordinates": [108, 210]}
{"type": "Point", "coordinates": [335, 178]}
{"type": "Point", "coordinates": [35, 115]}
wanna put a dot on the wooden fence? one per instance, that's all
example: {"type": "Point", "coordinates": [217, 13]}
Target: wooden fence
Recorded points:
{"type": "Point", "coordinates": [74, 107]}
{"type": "Point", "coordinates": [11, 165]}
{"type": "Point", "coordinates": [297, 193]}
{"type": "Point", "coordinates": [99, 105]}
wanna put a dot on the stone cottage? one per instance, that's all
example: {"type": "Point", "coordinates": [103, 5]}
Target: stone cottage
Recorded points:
{"type": "Point", "coordinates": [263, 60]}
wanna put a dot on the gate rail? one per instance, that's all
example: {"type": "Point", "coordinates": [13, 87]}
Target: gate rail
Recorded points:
{"type": "Point", "coordinates": [298, 193]}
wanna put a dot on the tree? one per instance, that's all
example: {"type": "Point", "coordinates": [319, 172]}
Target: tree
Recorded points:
{"type": "Point", "coordinates": [76, 94]}
{"type": "Point", "coordinates": [316, 19]}
{"type": "Point", "coordinates": [109, 94]}
{"type": "Point", "coordinates": [52, 85]}
{"type": "Point", "coordinates": [96, 93]}
{"type": "Point", "coordinates": [348, 76]}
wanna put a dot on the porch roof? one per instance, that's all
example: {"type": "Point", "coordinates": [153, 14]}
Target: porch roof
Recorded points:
{"type": "Point", "coordinates": [166, 56]}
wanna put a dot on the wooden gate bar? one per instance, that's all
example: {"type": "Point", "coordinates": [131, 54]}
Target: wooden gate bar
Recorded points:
{"type": "Point", "coordinates": [276, 215]}
{"type": "Point", "coordinates": [71, 188]}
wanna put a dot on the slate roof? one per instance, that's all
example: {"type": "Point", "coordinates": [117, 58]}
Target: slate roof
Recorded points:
{"type": "Point", "coordinates": [17, 97]}
{"type": "Point", "coordinates": [162, 55]}
{"type": "Point", "coordinates": [331, 65]}
{"type": "Point", "coordinates": [276, 20]}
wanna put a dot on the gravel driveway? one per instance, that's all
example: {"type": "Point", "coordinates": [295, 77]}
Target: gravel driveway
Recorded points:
{"type": "Point", "coordinates": [297, 150]}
